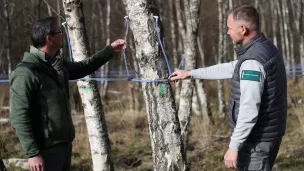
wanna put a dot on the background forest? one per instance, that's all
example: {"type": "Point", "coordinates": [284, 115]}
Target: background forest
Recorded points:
{"type": "Point", "coordinates": [282, 21]}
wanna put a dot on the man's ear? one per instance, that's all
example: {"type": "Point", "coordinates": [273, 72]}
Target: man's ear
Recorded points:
{"type": "Point", "coordinates": [48, 39]}
{"type": "Point", "coordinates": [244, 30]}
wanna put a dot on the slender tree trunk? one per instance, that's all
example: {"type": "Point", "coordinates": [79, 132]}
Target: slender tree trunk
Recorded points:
{"type": "Point", "coordinates": [8, 9]}
{"type": "Point", "coordinates": [256, 4]}
{"type": "Point", "coordinates": [135, 87]}
{"type": "Point", "coordinates": [173, 33]}
{"type": "Point", "coordinates": [274, 16]}
{"type": "Point", "coordinates": [167, 147]}
{"type": "Point", "coordinates": [58, 2]}
{"type": "Point", "coordinates": [232, 5]}
{"type": "Point", "coordinates": [95, 120]}
{"type": "Point", "coordinates": [49, 9]}
{"type": "Point", "coordinates": [301, 27]}
{"type": "Point", "coordinates": [105, 68]}
{"type": "Point", "coordinates": [286, 35]}
{"type": "Point", "coordinates": [181, 38]}
{"type": "Point", "coordinates": [192, 8]}
{"type": "Point", "coordinates": [282, 41]}
{"type": "Point", "coordinates": [220, 87]}
{"type": "Point", "coordinates": [285, 26]}
{"type": "Point", "coordinates": [195, 106]}
{"type": "Point", "coordinates": [2, 61]}
{"type": "Point", "coordinates": [201, 92]}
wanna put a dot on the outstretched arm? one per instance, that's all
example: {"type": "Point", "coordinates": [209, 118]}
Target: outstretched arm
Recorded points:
{"type": "Point", "coordinates": [219, 71]}
{"type": "Point", "coordinates": [89, 65]}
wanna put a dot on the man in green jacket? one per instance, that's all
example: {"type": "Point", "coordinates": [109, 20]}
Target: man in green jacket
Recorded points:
{"type": "Point", "coordinates": [39, 96]}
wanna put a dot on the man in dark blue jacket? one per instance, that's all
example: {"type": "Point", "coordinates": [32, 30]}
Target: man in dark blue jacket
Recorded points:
{"type": "Point", "coordinates": [258, 93]}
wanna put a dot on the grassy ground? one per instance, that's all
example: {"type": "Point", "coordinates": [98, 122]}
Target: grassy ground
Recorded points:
{"type": "Point", "coordinates": [131, 147]}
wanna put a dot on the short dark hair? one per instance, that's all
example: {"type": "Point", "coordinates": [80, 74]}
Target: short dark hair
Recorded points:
{"type": "Point", "coordinates": [41, 28]}
{"type": "Point", "coordinates": [248, 14]}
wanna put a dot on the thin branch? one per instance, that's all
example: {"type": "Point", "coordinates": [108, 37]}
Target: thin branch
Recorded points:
{"type": "Point", "coordinates": [48, 3]}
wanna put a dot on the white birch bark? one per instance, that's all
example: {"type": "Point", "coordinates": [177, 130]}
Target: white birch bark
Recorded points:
{"type": "Point", "coordinates": [201, 92]}
{"type": "Point", "coordinates": [274, 16]}
{"type": "Point", "coordinates": [181, 38]}
{"type": "Point", "coordinates": [256, 4]}
{"type": "Point", "coordinates": [285, 26]}
{"type": "Point", "coordinates": [231, 6]}
{"type": "Point", "coordinates": [220, 87]}
{"type": "Point", "coordinates": [191, 8]}
{"type": "Point", "coordinates": [287, 38]}
{"type": "Point", "coordinates": [195, 103]}
{"type": "Point", "coordinates": [167, 148]}
{"type": "Point", "coordinates": [49, 9]}
{"type": "Point", "coordinates": [105, 68]}
{"type": "Point", "coordinates": [95, 120]}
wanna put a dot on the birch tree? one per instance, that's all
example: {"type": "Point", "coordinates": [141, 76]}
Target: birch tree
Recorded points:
{"type": "Point", "coordinates": [219, 59]}
{"type": "Point", "coordinates": [200, 88]}
{"type": "Point", "coordinates": [105, 68]}
{"type": "Point", "coordinates": [167, 147]}
{"type": "Point", "coordinates": [191, 8]}
{"type": "Point", "coordinates": [274, 16]}
{"type": "Point", "coordinates": [93, 111]}
{"type": "Point", "coordinates": [8, 10]}
{"type": "Point", "coordinates": [180, 45]}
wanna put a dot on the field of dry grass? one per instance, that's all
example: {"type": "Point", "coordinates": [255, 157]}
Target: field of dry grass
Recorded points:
{"type": "Point", "coordinates": [129, 135]}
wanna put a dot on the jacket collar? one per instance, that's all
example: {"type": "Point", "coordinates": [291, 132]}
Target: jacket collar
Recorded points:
{"type": "Point", "coordinates": [41, 55]}
{"type": "Point", "coordinates": [240, 50]}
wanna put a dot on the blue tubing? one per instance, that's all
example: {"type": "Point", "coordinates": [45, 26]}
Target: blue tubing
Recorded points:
{"type": "Point", "coordinates": [68, 39]}
{"type": "Point", "coordinates": [161, 45]}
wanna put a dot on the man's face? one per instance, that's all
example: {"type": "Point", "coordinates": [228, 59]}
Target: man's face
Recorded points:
{"type": "Point", "coordinates": [57, 38]}
{"type": "Point", "coordinates": [234, 30]}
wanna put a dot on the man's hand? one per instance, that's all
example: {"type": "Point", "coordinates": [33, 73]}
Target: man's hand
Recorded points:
{"type": "Point", "coordinates": [36, 163]}
{"type": "Point", "coordinates": [231, 158]}
{"type": "Point", "coordinates": [118, 45]}
{"type": "Point", "coordinates": [179, 75]}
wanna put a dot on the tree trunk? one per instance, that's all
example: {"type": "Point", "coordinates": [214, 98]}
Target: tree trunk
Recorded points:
{"type": "Point", "coordinates": [192, 8]}
{"type": "Point", "coordinates": [173, 33]}
{"type": "Point", "coordinates": [231, 6]}
{"type": "Point", "coordinates": [256, 4]}
{"type": "Point", "coordinates": [105, 68]}
{"type": "Point", "coordinates": [95, 120]}
{"type": "Point", "coordinates": [201, 92]}
{"type": "Point", "coordinates": [274, 16]}
{"type": "Point", "coordinates": [182, 34]}
{"type": "Point", "coordinates": [8, 9]}
{"type": "Point", "coordinates": [301, 27]}
{"type": "Point", "coordinates": [195, 106]}
{"type": "Point", "coordinates": [49, 9]}
{"type": "Point", "coordinates": [167, 147]}
{"type": "Point", "coordinates": [285, 26]}
{"type": "Point", "coordinates": [281, 23]}
{"type": "Point", "coordinates": [220, 87]}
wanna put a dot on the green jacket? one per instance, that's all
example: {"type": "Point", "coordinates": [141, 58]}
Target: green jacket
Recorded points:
{"type": "Point", "coordinates": [39, 100]}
